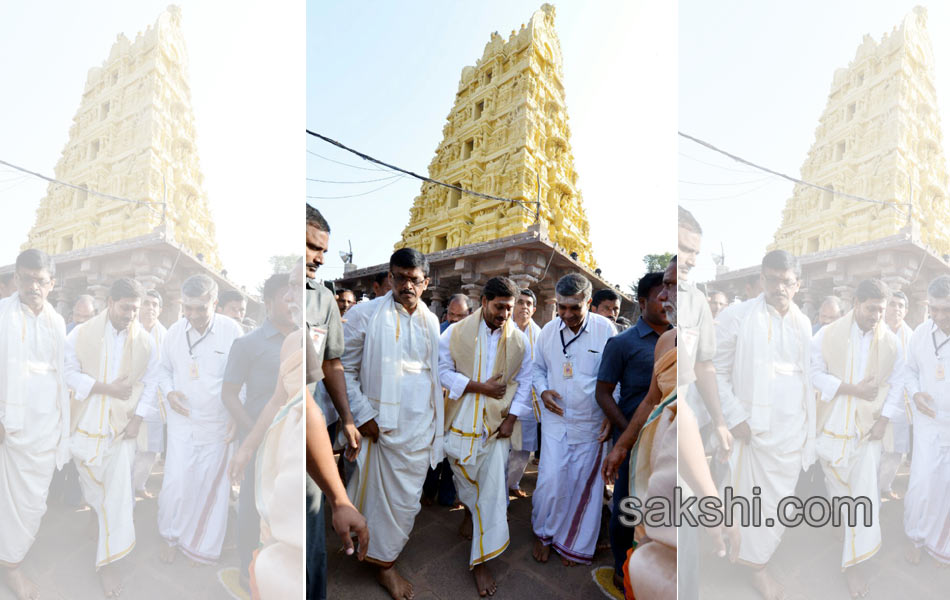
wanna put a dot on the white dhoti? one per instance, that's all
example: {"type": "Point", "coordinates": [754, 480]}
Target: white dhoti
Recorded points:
{"type": "Point", "coordinates": [517, 462]}
{"type": "Point", "coordinates": [105, 475]}
{"type": "Point", "coordinates": [145, 459]}
{"type": "Point", "coordinates": [482, 489]}
{"type": "Point", "coordinates": [388, 485]}
{"type": "Point", "coordinates": [566, 506]}
{"type": "Point", "coordinates": [193, 503]}
{"type": "Point", "coordinates": [927, 503]}
{"type": "Point", "coordinates": [772, 461]}
{"type": "Point", "coordinates": [27, 463]}
{"type": "Point", "coordinates": [855, 479]}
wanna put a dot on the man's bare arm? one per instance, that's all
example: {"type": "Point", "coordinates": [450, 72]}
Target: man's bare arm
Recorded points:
{"type": "Point", "coordinates": [230, 396]}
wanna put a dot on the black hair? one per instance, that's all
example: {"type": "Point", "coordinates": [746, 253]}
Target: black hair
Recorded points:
{"type": "Point", "coordinates": [500, 287]}
{"type": "Point", "coordinates": [409, 258]}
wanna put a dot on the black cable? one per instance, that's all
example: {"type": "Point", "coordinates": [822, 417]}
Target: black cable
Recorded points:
{"type": "Point", "coordinates": [355, 195]}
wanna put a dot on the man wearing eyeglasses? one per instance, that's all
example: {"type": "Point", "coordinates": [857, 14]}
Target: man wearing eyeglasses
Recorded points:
{"type": "Point", "coordinates": [391, 363]}
{"type": "Point", "coordinates": [34, 411]}
{"type": "Point", "coordinates": [762, 359]}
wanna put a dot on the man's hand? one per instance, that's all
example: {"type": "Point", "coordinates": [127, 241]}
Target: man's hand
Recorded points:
{"type": "Point", "coordinates": [347, 519]}
{"type": "Point", "coordinates": [877, 431]}
{"type": "Point", "coordinates": [369, 430]}
{"type": "Point", "coordinates": [612, 463]}
{"type": "Point", "coordinates": [177, 400]}
{"type": "Point", "coordinates": [726, 441]}
{"type": "Point", "coordinates": [507, 426]}
{"type": "Point", "coordinates": [925, 404]}
{"type": "Point", "coordinates": [353, 439]}
{"type": "Point", "coordinates": [605, 429]}
{"type": "Point", "coordinates": [731, 535]}
{"type": "Point", "coordinates": [494, 387]}
{"type": "Point", "coordinates": [120, 388]}
{"type": "Point", "coordinates": [131, 430]}
{"type": "Point", "coordinates": [548, 396]}
{"type": "Point", "coordinates": [238, 463]}
{"type": "Point", "coordinates": [865, 390]}
{"type": "Point", "coordinates": [742, 432]}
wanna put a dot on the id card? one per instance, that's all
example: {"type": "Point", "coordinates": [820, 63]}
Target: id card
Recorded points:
{"type": "Point", "coordinates": [568, 370]}
{"type": "Point", "coordinates": [319, 336]}
{"type": "Point", "coordinates": [940, 372]}
{"type": "Point", "coordinates": [194, 369]}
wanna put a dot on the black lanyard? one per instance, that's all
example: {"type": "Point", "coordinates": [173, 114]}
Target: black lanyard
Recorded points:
{"type": "Point", "coordinates": [933, 336]}
{"type": "Point", "coordinates": [191, 347]}
{"type": "Point", "coordinates": [574, 339]}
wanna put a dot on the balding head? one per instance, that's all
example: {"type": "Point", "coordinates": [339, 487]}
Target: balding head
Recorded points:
{"type": "Point", "coordinates": [84, 309]}
{"type": "Point", "coordinates": [830, 310]}
{"type": "Point", "coordinates": [457, 309]}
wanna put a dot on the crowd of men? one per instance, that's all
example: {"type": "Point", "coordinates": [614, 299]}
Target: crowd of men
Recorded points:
{"type": "Point", "coordinates": [832, 408]}
{"type": "Point", "coordinates": [108, 394]}
{"type": "Point", "coordinates": [450, 411]}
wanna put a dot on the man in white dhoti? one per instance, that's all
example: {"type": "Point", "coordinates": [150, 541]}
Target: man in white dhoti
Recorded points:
{"type": "Point", "coordinates": [34, 412]}
{"type": "Point", "coordinates": [390, 361]}
{"type": "Point", "coordinates": [485, 365]}
{"type": "Point", "coordinates": [566, 505]}
{"type": "Point", "coordinates": [525, 307]}
{"type": "Point", "coordinates": [855, 365]}
{"type": "Point", "coordinates": [154, 424]}
{"type": "Point", "coordinates": [112, 368]}
{"type": "Point", "coordinates": [894, 452]}
{"type": "Point", "coordinates": [193, 502]}
{"type": "Point", "coordinates": [762, 363]}
{"type": "Point", "coordinates": [927, 504]}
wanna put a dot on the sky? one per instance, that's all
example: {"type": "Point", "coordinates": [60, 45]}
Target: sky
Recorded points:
{"type": "Point", "coordinates": [382, 77]}
{"type": "Point", "coordinates": [246, 70]}
{"type": "Point", "coordinates": [754, 79]}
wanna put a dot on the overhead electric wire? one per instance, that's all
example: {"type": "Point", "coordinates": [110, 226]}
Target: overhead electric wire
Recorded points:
{"type": "Point", "coordinates": [364, 181]}
{"type": "Point", "coordinates": [745, 193]}
{"type": "Point", "coordinates": [750, 181]}
{"type": "Point", "coordinates": [397, 180]}
{"type": "Point", "coordinates": [521, 203]}
{"type": "Point", "coordinates": [77, 187]}
{"type": "Point", "coordinates": [739, 159]}
{"type": "Point", "coordinates": [343, 163]}
{"type": "Point", "coordinates": [693, 158]}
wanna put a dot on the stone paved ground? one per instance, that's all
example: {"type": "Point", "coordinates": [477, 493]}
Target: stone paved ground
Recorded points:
{"type": "Point", "coordinates": [63, 557]}
{"type": "Point", "coordinates": [435, 560]}
{"type": "Point", "coordinates": [808, 562]}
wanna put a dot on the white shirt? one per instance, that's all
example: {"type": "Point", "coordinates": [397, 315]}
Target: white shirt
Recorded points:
{"type": "Point", "coordinates": [455, 382]}
{"type": "Point", "coordinates": [922, 370]}
{"type": "Point", "coordinates": [198, 373]}
{"type": "Point", "coordinates": [828, 384]}
{"type": "Point", "coordinates": [111, 351]}
{"type": "Point", "coordinates": [582, 415]}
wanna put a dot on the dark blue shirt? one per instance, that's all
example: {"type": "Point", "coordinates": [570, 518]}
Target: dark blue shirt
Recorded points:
{"type": "Point", "coordinates": [628, 360]}
{"type": "Point", "coordinates": [254, 361]}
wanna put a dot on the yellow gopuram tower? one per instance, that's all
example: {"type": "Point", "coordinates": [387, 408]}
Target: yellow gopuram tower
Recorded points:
{"type": "Point", "coordinates": [506, 135]}
{"type": "Point", "coordinates": [878, 138]}
{"type": "Point", "coordinates": [132, 137]}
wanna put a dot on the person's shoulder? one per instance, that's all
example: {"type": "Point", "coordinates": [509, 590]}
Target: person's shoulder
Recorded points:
{"type": "Point", "coordinates": [177, 327]}
{"type": "Point", "coordinates": [923, 330]}
{"type": "Point", "coordinates": [602, 324]}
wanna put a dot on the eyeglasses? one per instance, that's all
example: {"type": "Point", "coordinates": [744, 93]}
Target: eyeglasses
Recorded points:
{"type": "Point", "coordinates": [400, 280]}
{"type": "Point", "coordinates": [30, 281]}
{"type": "Point", "coordinates": [778, 281]}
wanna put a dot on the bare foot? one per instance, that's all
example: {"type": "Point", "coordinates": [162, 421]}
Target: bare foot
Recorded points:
{"type": "Point", "coordinates": [568, 562]}
{"type": "Point", "coordinates": [484, 580]}
{"type": "Point", "coordinates": [395, 584]}
{"type": "Point", "coordinates": [519, 493]}
{"type": "Point", "coordinates": [465, 529]}
{"type": "Point", "coordinates": [891, 495]}
{"type": "Point", "coordinates": [541, 551]}
{"type": "Point", "coordinates": [766, 585]}
{"type": "Point", "coordinates": [857, 584]}
{"type": "Point", "coordinates": [426, 501]}
{"type": "Point", "coordinates": [912, 554]}
{"type": "Point", "coordinates": [22, 586]}
{"type": "Point", "coordinates": [167, 555]}
{"type": "Point", "coordinates": [144, 494]}
{"type": "Point", "coordinates": [111, 581]}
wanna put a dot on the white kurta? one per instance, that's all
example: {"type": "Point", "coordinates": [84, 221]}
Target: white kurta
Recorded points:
{"type": "Point", "coordinates": [154, 424]}
{"type": "Point", "coordinates": [773, 459]}
{"type": "Point", "coordinates": [28, 453]}
{"type": "Point", "coordinates": [927, 504]}
{"type": "Point", "coordinates": [518, 458]}
{"type": "Point", "coordinates": [481, 484]}
{"type": "Point", "coordinates": [391, 470]}
{"type": "Point", "coordinates": [850, 461]}
{"type": "Point", "coordinates": [193, 503]}
{"type": "Point", "coordinates": [103, 460]}
{"type": "Point", "coordinates": [567, 500]}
